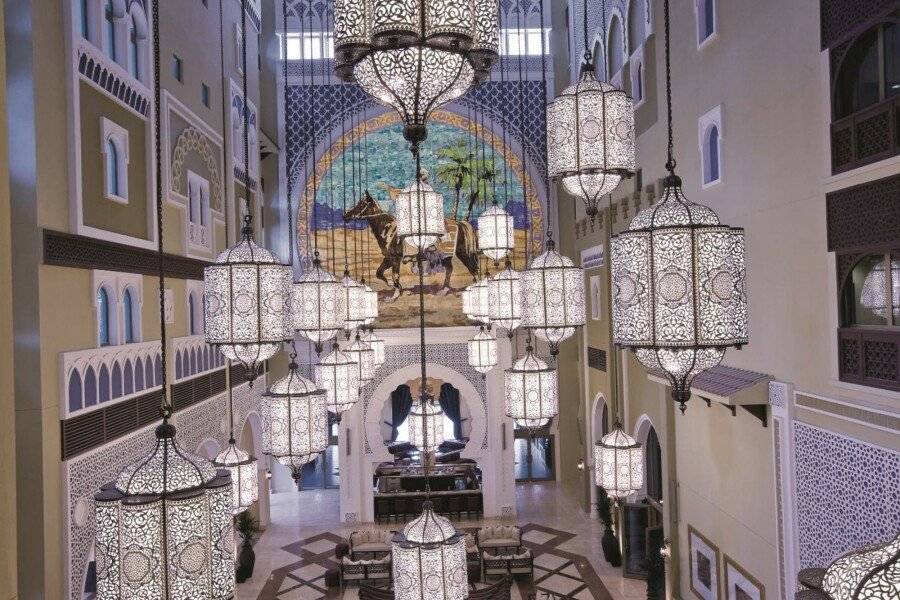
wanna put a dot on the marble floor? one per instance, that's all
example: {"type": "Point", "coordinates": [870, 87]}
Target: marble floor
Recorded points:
{"type": "Point", "coordinates": [298, 547]}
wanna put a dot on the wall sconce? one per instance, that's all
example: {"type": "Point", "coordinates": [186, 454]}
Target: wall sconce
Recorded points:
{"type": "Point", "coordinates": [581, 465]}
{"type": "Point", "coordinates": [268, 473]}
{"type": "Point", "coordinates": [666, 549]}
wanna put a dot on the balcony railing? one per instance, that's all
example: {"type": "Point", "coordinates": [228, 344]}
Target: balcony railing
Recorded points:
{"type": "Point", "coordinates": [870, 357]}
{"type": "Point", "coordinates": [866, 136]}
{"type": "Point", "coordinates": [193, 356]}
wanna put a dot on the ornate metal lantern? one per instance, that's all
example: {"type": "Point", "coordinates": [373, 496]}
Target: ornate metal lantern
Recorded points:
{"type": "Point", "coordinates": [420, 214]}
{"type": "Point", "coordinates": [483, 351]}
{"type": "Point", "coordinates": [531, 389]}
{"type": "Point", "coordinates": [338, 374]}
{"type": "Point", "coordinates": [370, 304]}
{"type": "Point", "coordinates": [295, 421]}
{"type": "Point", "coordinates": [871, 573]}
{"type": "Point", "coordinates": [505, 299]}
{"type": "Point", "coordinates": [415, 55]}
{"type": "Point", "coordinates": [619, 463]}
{"type": "Point", "coordinates": [355, 303]}
{"type": "Point", "coordinates": [429, 559]}
{"type": "Point", "coordinates": [496, 235]}
{"type": "Point", "coordinates": [164, 528]}
{"type": "Point", "coordinates": [377, 346]}
{"type": "Point", "coordinates": [553, 297]}
{"type": "Point", "coordinates": [247, 303]}
{"type": "Point", "coordinates": [426, 424]}
{"type": "Point", "coordinates": [476, 302]}
{"type": "Point", "coordinates": [874, 295]}
{"type": "Point", "coordinates": [678, 288]}
{"type": "Point", "coordinates": [244, 476]}
{"type": "Point", "coordinates": [318, 305]}
{"type": "Point", "coordinates": [364, 357]}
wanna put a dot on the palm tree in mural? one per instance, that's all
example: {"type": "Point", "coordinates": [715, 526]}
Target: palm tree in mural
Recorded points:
{"type": "Point", "coordinates": [455, 169]}
{"type": "Point", "coordinates": [485, 174]}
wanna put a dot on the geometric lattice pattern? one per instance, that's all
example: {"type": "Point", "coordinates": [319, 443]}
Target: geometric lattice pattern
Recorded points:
{"type": "Point", "coordinates": [881, 360]}
{"type": "Point", "coordinates": [840, 18]}
{"type": "Point", "coordinates": [864, 215]}
{"type": "Point", "coordinates": [847, 494]}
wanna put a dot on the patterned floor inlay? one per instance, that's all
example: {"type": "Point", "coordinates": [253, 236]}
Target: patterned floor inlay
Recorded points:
{"type": "Point", "coordinates": [557, 572]}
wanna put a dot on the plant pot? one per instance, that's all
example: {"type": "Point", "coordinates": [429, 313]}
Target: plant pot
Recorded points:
{"type": "Point", "coordinates": [610, 546]}
{"type": "Point", "coordinates": [245, 561]}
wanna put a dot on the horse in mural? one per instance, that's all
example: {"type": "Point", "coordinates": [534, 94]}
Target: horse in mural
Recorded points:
{"type": "Point", "coordinates": [383, 227]}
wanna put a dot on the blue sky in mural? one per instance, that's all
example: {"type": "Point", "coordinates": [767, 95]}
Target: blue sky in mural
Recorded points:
{"type": "Point", "coordinates": [390, 165]}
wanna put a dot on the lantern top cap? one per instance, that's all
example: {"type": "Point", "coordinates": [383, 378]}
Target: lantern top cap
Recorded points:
{"type": "Point", "coordinates": [551, 259]}
{"type": "Point", "coordinates": [674, 210]}
{"type": "Point", "coordinates": [617, 438]}
{"type": "Point", "coordinates": [247, 251]}
{"type": "Point", "coordinates": [232, 456]}
{"type": "Point", "coordinates": [293, 384]}
{"type": "Point", "coordinates": [429, 528]}
{"type": "Point", "coordinates": [317, 274]}
{"type": "Point", "coordinates": [530, 362]}
{"type": "Point", "coordinates": [167, 469]}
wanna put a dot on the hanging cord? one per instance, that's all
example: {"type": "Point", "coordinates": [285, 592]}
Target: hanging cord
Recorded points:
{"type": "Point", "coordinates": [343, 150]}
{"type": "Point", "coordinates": [614, 353]}
{"type": "Point", "coordinates": [287, 166]}
{"type": "Point", "coordinates": [313, 224]}
{"type": "Point", "coordinates": [224, 196]}
{"type": "Point", "coordinates": [670, 163]}
{"type": "Point", "coordinates": [521, 94]}
{"type": "Point", "coordinates": [248, 218]}
{"type": "Point", "coordinates": [544, 96]}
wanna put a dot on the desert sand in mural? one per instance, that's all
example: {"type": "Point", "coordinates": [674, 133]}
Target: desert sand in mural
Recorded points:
{"type": "Point", "coordinates": [442, 308]}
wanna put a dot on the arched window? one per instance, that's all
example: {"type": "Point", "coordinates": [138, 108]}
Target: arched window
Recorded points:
{"type": "Point", "coordinates": [116, 381]}
{"type": "Point", "coordinates": [616, 48]}
{"type": "Point", "coordinates": [103, 310]}
{"type": "Point", "coordinates": [653, 462]}
{"type": "Point", "coordinates": [128, 321]}
{"type": "Point", "coordinates": [103, 384]}
{"type": "Point", "coordinates": [637, 82]}
{"type": "Point", "coordinates": [637, 25]}
{"type": "Point", "coordinates": [862, 80]}
{"type": "Point", "coordinates": [599, 61]}
{"type": "Point", "coordinates": [192, 314]}
{"type": "Point", "coordinates": [75, 400]}
{"type": "Point", "coordinates": [134, 63]}
{"type": "Point", "coordinates": [109, 30]}
{"type": "Point", "coordinates": [706, 20]}
{"type": "Point", "coordinates": [84, 19]}
{"type": "Point", "coordinates": [711, 155]}
{"type": "Point", "coordinates": [138, 375]}
{"type": "Point", "coordinates": [113, 187]}
{"type": "Point", "coordinates": [870, 294]}
{"type": "Point", "coordinates": [90, 387]}
{"type": "Point", "coordinates": [128, 377]}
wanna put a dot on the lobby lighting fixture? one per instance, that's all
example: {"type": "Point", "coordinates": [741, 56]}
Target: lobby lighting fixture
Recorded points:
{"type": "Point", "coordinates": [318, 305]}
{"type": "Point", "coordinates": [426, 424]}
{"type": "Point", "coordinates": [531, 391]}
{"type": "Point", "coordinates": [678, 278]}
{"type": "Point", "coordinates": [476, 302]}
{"type": "Point", "coordinates": [295, 420]}
{"type": "Point", "coordinates": [871, 573]}
{"type": "Point", "coordinates": [874, 289]}
{"type": "Point", "coordinates": [370, 304]}
{"type": "Point", "coordinates": [505, 299]}
{"type": "Point", "coordinates": [619, 461]}
{"type": "Point", "coordinates": [415, 55]}
{"type": "Point", "coordinates": [483, 351]}
{"type": "Point", "coordinates": [338, 374]}
{"type": "Point", "coordinates": [590, 135]}
{"type": "Point", "coordinates": [496, 233]}
{"type": "Point", "coordinates": [419, 211]}
{"type": "Point", "coordinates": [354, 303]}
{"type": "Point", "coordinates": [553, 297]}
{"type": "Point", "coordinates": [241, 465]}
{"type": "Point", "coordinates": [376, 344]}
{"type": "Point", "coordinates": [364, 357]}
{"type": "Point", "coordinates": [164, 528]}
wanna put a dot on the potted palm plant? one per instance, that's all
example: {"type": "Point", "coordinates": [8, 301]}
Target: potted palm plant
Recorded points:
{"type": "Point", "coordinates": [609, 543]}
{"type": "Point", "coordinates": [248, 528]}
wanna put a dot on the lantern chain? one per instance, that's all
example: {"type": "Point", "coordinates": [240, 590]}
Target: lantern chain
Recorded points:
{"type": "Point", "coordinates": [248, 218]}
{"type": "Point", "coordinates": [670, 163]}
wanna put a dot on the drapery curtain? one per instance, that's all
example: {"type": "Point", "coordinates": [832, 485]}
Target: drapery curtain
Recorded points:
{"type": "Point", "coordinates": [449, 401]}
{"type": "Point", "coordinates": [401, 403]}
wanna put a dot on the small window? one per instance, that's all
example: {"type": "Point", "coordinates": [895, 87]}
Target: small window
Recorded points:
{"type": "Point", "coordinates": [128, 317]}
{"type": "Point", "coordinates": [525, 41]}
{"type": "Point", "coordinates": [616, 45]}
{"type": "Point", "coordinates": [710, 129]}
{"type": "Point", "coordinates": [177, 68]}
{"type": "Point", "coordinates": [204, 94]}
{"type": "Point", "coordinates": [637, 81]}
{"type": "Point", "coordinates": [112, 169]}
{"type": "Point", "coordinates": [871, 293]}
{"type": "Point", "coordinates": [109, 30]}
{"type": "Point", "coordinates": [84, 19]}
{"type": "Point", "coordinates": [637, 25]}
{"type": "Point", "coordinates": [115, 160]}
{"type": "Point", "coordinates": [862, 81]}
{"type": "Point", "coordinates": [191, 314]}
{"type": "Point", "coordinates": [103, 310]}
{"type": "Point", "coordinates": [134, 66]}
{"type": "Point", "coordinates": [706, 20]}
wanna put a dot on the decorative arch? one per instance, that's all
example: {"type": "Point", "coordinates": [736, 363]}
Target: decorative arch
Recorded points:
{"type": "Point", "coordinates": [253, 422]}
{"type": "Point", "coordinates": [193, 140]}
{"type": "Point", "coordinates": [638, 21]}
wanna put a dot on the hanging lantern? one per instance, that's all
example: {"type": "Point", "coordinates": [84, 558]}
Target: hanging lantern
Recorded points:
{"type": "Point", "coordinates": [619, 461]}
{"type": "Point", "coordinates": [531, 389]}
{"type": "Point", "coordinates": [417, 55]}
{"type": "Point", "coordinates": [678, 288]}
{"type": "Point", "coordinates": [247, 303]}
{"type": "Point", "coordinates": [295, 420]}
{"type": "Point", "coordinates": [871, 573]}
{"type": "Point", "coordinates": [354, 303]}
{"type": "Point", "coordinates": [164, 528]}
{"type": "Point", "coordinates": [364, 357]}
{"type": "Point", "coordinates": [420, 214]}
{"type": "Point", "coordinates": [338, 374]}
{"type": "Point", "coordinates": [505, 299]}
{"type": "Point", "coordinates": [874, 294]}
{"type": "Point", "coordinates": [244, 476]}
{"type": "Point", "coordinates": [496, 234]}
{"type": "Point", "coordinates": [476, 302]}
{"type": "Point", "coordinates": [377, 346]}
{"type": "Point", "coordinates": [553, 297]}
{"type": "Point", "coordinates": [318, 305]}
{"type": "Point", "coordinates": [428, 559]}
{"type": "Point", "coordinates": [483, 351]}
{"type": "Point", "coordinates": [370, 305]}
{"type": "Point", "coordinates": [426, 424]}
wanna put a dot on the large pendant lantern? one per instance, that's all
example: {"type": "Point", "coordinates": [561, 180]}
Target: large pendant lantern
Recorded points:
{"type": "Point", "coordinates": [553, 297]}
{"type": "Point", "coordinates": [871, 573]}
{"type": "Point", "coordinates": [428, 559]}
{"type": "Point", "coordinates": [619, 463]}
{"type": "Point", "coordinates": [370, 305]}
{"type": "Point", "coordinates": [483, 351]}
{"type": "Point", "coordinates": [415, 55]}
{"type": "Point", "coordinates": [164, 528]}
{"type": "Point", "coordinates": [505, 299]}
{"type": "Point", "coordinates": [295, 421]}
{"type": "Point", "coordinates": [678, 288]}
{"type": "Point", "coordinates": [354, 303]}
{"type": "Point", "coordinates": [318, 305]}
{"type": "Point", "coordinates": [476, 302]}
{"type": "Point", "coordinates": [874, 294]}
{"type": "Point", "coordinates": [420, 214]}
{"type": "Point", "coordinates": [377, 346]}
{"type": "Point", "coordinates": [244, 476]}
{"type": "Point", "coordinates": [531, 390]}
{"type": "Point", "coordinates": [247, 303]}
{"type": "Point", "coordinates": [364, 357]}
{"type": "Point", "coordinates": [426, 424]}
{"type": "Point", "coordinates": [496, 234]}
{"type": "Point", "coordinates": [338, 374]}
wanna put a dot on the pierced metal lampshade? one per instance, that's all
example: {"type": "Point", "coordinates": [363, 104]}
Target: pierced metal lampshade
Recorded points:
{"type": "Point", "coordinates": [377, 346]}
{"type": "Point", "coordinates": [505, 299]}
{"type": "Point", "coordinates": [164, 528]}
{"type": "Point", "coordinates": [428, 559]}
{"type": "Point", "coordinates": [244, 476]}
{"type": "Point", "coordinates": [678, 288]}
{"type": "Point", "coordinates": [419, 211]}
{"type": "Point", "coordinates": [426, 424]}
{"type": "Point", "coordinates": [318, 305]}
{"type": "Point", "coordinates": [295, 421]}
{"type": "Point", "coordinates": [871, 573]}
{"type": "Point", "coordinates": [619, 463]}
{"type": "Point", "coordinates": [874, 295]}
{"type": "Point", "coordinates": [354, 303]}
{"type": "Point", "coordinates": [370, 304]}
{"type": "Point", "coordinates": [361, 353]}
{"type": "Point", "coordinates": [496, 235]}
{"type": "Point", "coordinates": [590, 138]}
{"type": "Point", "coordinates": [338, 374]}
{"type": "Point", "coordinates": [483, 351]}
{"type": "Point", "coordinates": [415, 55]}
{"type": "Point", "coordinates": [247, 303]}
{"type": "Point", "coordinates": [476, 302]}
{"type": "Point", "coordinates": [531, 390]}
{"type": "Point", "coordinates": [553, 297]}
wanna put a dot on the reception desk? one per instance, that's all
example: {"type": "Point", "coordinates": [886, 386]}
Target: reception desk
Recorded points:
{"type": "Point", "coordinates": [400, 491]}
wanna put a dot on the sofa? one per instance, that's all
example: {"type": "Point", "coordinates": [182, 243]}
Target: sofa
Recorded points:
{"type": "Point", "coordinates": [370, 544]}
{"type": "Point", "coordinates": [500, 538]}
{"type": "Point", "coordinates": [521, 563]}
{"type": "Point", "coordinates": [365, 570]}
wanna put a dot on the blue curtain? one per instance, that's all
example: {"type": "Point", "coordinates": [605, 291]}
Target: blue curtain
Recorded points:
{"type": "Point", "coordinates": [401, 403]}
{"type": "Point", "coordinates": [449, 400]}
